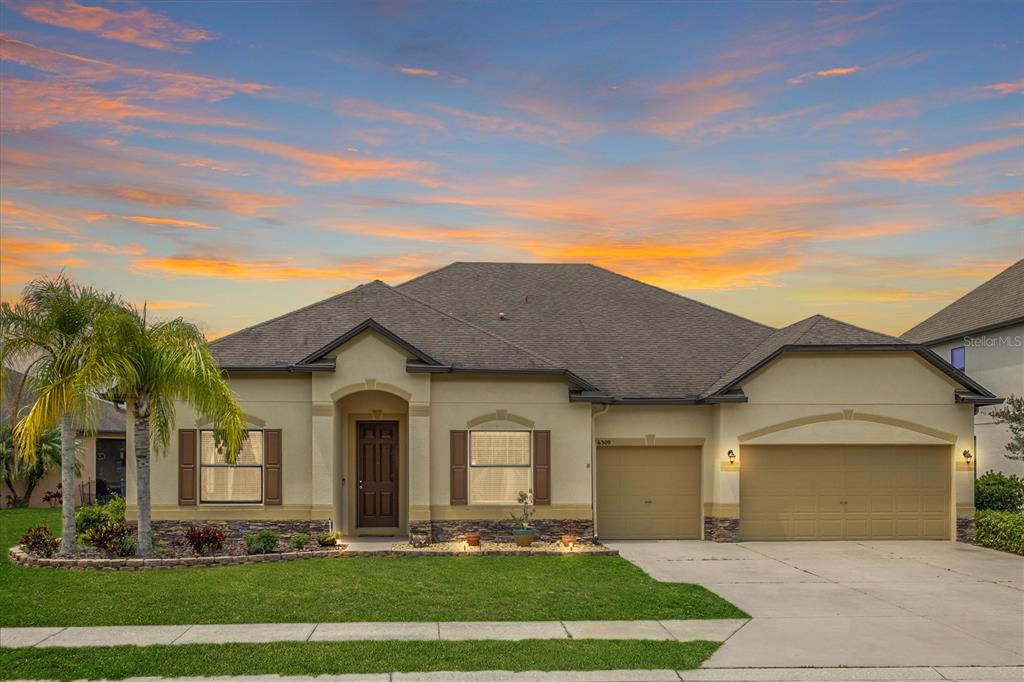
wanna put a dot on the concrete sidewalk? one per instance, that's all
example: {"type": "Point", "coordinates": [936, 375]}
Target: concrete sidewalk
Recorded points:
{"type": "Point", "coordinates": [144, 635]}
{"type": "Point", "coordinates": [719, 675]}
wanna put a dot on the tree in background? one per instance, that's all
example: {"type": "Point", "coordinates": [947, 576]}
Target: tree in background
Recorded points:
{"type": "Point", "coordinates": [52, 330]}
{"type": "Point", "coordinates": [29, 470]}
{"type": "Point", "coordinates": [151, 365]}
{"type": "Point", "coordinates": [1011, 413]}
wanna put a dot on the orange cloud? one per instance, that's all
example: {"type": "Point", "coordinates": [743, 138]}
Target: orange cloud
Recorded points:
{"type": "Point", "coordinates": [824, 73]}
{"type": "Point", "coordinates": [886, 111]}
{"type": "Point", "coordinates": [415, 71]}
{"type": "Point", "coordinates": [371, 111]}
{"type": "Point", "coordinates": [168, 222]}
{"type": "Point", "coordinates": [324, 166]}
{"type": "Point", "coordinates": [500, 125]}
{"type": "Point", "coordinates": [1006, 88]}
{"type": "Point", "coordinates": [273, 270]}
{"type": "Point", "coordinates": [34, 105]}
{"type": "Point", "coordinates": [137, 26]}
{"type": "Point", "coordinates": [142, 83]}
{"type": "Point", "coordinates": [1005, 203]}
{"type": "Point", "coordinates": [24, 258]}
{"type": "Point", "coordinates": [925, 167]}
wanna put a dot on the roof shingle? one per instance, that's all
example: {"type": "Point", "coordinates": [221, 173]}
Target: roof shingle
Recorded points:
{"type": "Point", "coordinates": [997, 302]}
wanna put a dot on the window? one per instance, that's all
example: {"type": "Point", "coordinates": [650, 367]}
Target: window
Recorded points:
{"type": "Point", "coordinates": [958, 358]}
{"type": "Point", "coordinates": [233, 483]}
{"type": "Point", "coordinates": [499, 466]}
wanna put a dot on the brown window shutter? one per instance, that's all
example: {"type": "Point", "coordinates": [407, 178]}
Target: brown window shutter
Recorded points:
{"type": "Point", "coordinates": [272, 466]}
{"type": "Point", "coordinates": [460, 470]}
{"type": "Point", "coordinates": [187, 467]}
{"type": "Point", "coordinates": [542, 467]}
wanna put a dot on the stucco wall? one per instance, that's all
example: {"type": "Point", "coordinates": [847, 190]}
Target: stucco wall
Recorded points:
{"type": "Point", "coordinates": [458, 402]}
{"type": "Point", "coordinates": [995, 360]}
{"type": "Point", "coordinates": [866, 397]}
{"type": "Point", "coordinates": [270, 400]}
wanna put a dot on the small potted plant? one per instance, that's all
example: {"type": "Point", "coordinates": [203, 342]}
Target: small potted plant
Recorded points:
{"type": "Point", "coordinates": [569, 537]}
{"type": "Point", "coordinates": [473, 539]}
{"type": "Point", "coordinates": [522, 532]}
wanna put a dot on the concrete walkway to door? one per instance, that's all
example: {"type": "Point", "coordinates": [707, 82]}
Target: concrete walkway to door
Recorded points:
{"type": "Point", "coordinates": [895, 603]}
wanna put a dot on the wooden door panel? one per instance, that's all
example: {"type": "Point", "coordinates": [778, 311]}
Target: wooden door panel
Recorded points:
{"type": "Point", "coordinates": [378, 475]}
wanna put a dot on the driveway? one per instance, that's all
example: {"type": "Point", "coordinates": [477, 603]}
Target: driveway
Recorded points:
{"type": "Point", "coordinates": [913, 603]}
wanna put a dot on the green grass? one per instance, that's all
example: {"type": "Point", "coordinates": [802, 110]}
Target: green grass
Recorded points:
{"type": "Point", "coordinates": [320, 658]}
{"type": "Point", "coordinates": [343, 590]}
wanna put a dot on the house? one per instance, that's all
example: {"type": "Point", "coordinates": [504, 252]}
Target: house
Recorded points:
{"type": "Point", "coordinates": [632, 411]}
{"type": "Point", "coordinates": [982, 334]}
{"type": "Point", "coordinates": [102, 455]}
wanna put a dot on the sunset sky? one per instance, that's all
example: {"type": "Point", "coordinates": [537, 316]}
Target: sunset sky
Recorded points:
{"type": "Point", "coordinates": [229, 162]}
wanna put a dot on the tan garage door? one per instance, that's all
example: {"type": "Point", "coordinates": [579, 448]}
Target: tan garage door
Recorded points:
{"type": "Point", "coordinates": [845, 492]}
{"type": "Point", "coordinates": [648, 493]}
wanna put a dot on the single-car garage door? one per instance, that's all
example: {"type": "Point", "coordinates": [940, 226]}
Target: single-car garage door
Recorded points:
{"type": "Point", "coordinates": [648, 493]}
{"type": "Point", "coordinates": [848, 492]}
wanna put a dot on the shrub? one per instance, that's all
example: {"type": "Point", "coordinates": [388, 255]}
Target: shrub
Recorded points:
{"type": "Point", "coordinates": [1000, 530]}
{"type": "Point", "coordinates": [998, 492]}
{"type": "Point", "coordinates": [300, 540]}
{"type": "Point", "coordinates": [94, 515]}
{"type": "Point", "coordinates": [325, 539]}
{"type": "Point", "coordinates": [204, 539]}
{"type": "Point", "coordinates": [261, 542]}
{"type": "Point", "coordinates": [39, 540]}
{"type": "Point", "coordinates": [117, 539]}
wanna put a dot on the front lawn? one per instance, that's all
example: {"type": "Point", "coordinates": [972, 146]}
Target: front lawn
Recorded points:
{"type": "Point", "coordinates": [319, 658]}
{"type": "Point", "coordinates": [340, 590]}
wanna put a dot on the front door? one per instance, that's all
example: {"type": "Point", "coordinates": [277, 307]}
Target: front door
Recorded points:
{"type": "Point", "coordinates": [377, 474]}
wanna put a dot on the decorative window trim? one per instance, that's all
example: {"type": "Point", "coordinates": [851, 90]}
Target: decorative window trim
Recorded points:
{"type": "Point", "coordinates": [260, 466]}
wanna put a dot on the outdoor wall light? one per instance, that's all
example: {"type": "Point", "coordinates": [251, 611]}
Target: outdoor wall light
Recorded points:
{"type": "Point", "coordinates": [968, 456]}
{"type": "Point", "coordinates": [732, 457]}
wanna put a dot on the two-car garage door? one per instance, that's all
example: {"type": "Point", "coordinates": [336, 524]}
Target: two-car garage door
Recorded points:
{"type": "Point", "coordinates": [808, 492]}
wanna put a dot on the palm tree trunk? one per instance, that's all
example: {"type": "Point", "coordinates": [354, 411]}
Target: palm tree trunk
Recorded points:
{"type": "Point", "coordinates": [142, 483]}
{"type": "Point", "coordinates": [67, 482]}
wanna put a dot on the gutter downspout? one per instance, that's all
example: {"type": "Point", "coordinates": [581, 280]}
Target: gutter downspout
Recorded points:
{"type": "Point", "coordinates": [593, 468]}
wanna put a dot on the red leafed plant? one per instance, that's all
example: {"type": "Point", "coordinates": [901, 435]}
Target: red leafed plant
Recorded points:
{"type": "Point", "coordinates": [204, 539]}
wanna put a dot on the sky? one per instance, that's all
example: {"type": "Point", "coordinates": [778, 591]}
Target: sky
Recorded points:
{"type": "Point", "coordinates": [230, 162]}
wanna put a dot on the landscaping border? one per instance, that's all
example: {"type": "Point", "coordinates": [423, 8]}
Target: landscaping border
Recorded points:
{"type": "Point", "coordinates": [20, 557]}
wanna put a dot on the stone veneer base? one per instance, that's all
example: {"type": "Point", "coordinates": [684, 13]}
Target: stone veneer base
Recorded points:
{"type": "Point", "coordinates": [721, 529]}
{"type": "Point", "coordinates": [20, 557]}
{"type": "Point", "coordinates": [965, 529]}
{"type": "Point", "coordinates": [493, 530]}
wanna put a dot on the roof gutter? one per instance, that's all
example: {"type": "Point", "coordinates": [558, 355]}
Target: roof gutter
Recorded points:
{"type": "Point", "coordinates": [313, 367]}
{"type": "Point", "coordinates": [607, 399]}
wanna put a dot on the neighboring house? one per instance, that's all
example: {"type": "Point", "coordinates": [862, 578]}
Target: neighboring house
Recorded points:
{"type": "Point", "coordinates": [637, 413]}
{"type": "Point", "coordinates": [102, 455]}
{"type": "Point", "coordinates": [982, 334]}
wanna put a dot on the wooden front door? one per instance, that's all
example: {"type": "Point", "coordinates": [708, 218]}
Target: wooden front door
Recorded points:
{"type": "Point", "coordinates": [377, 474]}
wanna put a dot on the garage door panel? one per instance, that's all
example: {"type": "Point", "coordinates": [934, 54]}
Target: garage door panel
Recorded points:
{"type": "Point", "coordinates": [648, 493]}
{"type": "Point", "coordinates": [837, 492]}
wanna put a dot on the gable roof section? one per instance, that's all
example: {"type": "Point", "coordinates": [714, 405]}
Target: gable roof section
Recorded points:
{"type": "Point", "coordinates": [825, 333]}
{"type": "Point", "coordinates": [300, 339]}
{"type": "Point", "coordinates": [996, 303]}
{"type": "Point", "coordinates": [625, 337]}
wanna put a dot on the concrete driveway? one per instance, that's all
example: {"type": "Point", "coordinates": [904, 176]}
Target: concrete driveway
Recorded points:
{"type": "Point", "coordinates": [854, 603]}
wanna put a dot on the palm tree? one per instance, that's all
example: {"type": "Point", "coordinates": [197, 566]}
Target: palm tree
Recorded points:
{"type": "Point", "coordinates": [150, 365]}
{"type": "Point", "coordinates": [51, 329]}
{"type": "Point", "coordinates": [31, 471]}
